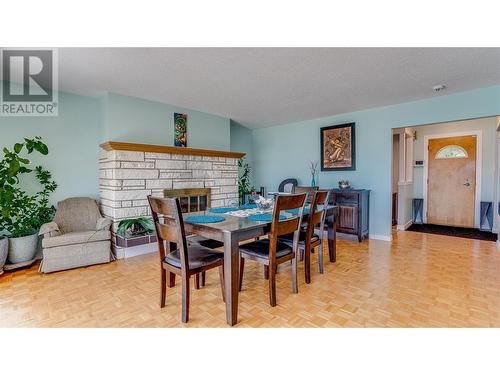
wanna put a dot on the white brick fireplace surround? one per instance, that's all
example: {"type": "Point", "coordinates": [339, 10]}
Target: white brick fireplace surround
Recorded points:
{"type": "Point", "coordinates": [129, 172]}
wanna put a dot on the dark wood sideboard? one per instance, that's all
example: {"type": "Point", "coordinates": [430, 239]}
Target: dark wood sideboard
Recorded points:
{"type": "Point", "coordinates": [354, 209]}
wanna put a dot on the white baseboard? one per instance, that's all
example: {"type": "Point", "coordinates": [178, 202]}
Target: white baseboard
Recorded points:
{"type": "Point", "coordinates": [129, 252]}
{"type": "Point", "coordinates": [380, 237]}
{"type": "Point", "coordinates": [405, 226]}
{"type": "Point", "coordinates": [141, 250]}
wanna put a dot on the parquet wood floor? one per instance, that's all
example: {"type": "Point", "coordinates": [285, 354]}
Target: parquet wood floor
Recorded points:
{"type": "Point", "coordinates": [418, 280]}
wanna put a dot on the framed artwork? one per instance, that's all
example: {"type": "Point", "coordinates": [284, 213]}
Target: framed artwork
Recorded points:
{"type": "Point", "coordinates": [180, 130]}
{"type": "Point", "coordinates": [338, 148]}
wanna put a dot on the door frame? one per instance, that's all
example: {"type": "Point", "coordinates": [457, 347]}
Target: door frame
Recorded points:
{"type": "Point", "coordinates": [479, 164]}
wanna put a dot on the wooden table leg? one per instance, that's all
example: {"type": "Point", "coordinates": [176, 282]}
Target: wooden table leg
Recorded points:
{"type": "Point", "coordinates": [332, 237]}
{"type": "Point", "coordinates": [231, 275]}
{"type": "Point", "coordinates": [172, 246]}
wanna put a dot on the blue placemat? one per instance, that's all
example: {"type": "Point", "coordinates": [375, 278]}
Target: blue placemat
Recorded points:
{"type": "Point", "coordinates": [248, 205]}
{"type": "Point", "coordinates": [295, 211]}
{"type": "Point", "coordinates": [264, 217]}
{"type": "Point", "coordinates": [203, 219]}
{"type": "Point", "coordinates": [222, 210]}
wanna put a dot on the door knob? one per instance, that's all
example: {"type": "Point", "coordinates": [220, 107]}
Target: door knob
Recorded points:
{"type": "Point", "coordinates": [467, 183]}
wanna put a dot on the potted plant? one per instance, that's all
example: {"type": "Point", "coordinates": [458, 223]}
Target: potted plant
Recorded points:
{"type": "Point", "coordinates": [344, 184]}
{"type": "Point", "coordinates": [133, 232]}
{"type": "Point", "coordinates": [244, 185]}
{"type": "Point", "coordinates": [4, 248]}
{"type": "Point", "coordinates": [23, 214]}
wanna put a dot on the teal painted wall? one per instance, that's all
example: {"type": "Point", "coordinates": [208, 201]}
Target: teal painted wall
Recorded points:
{"type": "Point", "coordinates": [284, 151]}
{"type": "Point", "coordinates": [73, 140]}
{"type": "Point", "coordinates": [241, 141]}
{"type": "Point", "coordinates": [84, 122]}
{"type": "Point", "coordinates": [131, 119]}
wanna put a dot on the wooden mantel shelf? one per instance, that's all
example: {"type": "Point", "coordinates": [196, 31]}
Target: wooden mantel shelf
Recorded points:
{"type": "Point", "coordinates": [124, 146]}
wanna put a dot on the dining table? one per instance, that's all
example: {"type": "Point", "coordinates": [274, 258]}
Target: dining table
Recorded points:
{"type": "Point", "coordinates": [231, 232]}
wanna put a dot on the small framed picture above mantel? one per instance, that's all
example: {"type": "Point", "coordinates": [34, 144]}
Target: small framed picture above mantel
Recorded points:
{"type": "Point", "coordinates": [180, 130]}
{"type": "Point", "coordinates": [338, 151]}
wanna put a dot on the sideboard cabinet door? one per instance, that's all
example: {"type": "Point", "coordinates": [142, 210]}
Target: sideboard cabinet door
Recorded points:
{"type": "Point", "coordinates": [348, 219]}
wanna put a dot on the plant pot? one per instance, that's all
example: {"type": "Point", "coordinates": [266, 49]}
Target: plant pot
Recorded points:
{"type": "Point", "coordinates": [4, 249]}
{"type": "Point", "coordinates": [22, 249]}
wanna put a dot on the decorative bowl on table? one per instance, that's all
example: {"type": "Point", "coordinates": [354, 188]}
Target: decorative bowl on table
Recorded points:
{"type": "Point", "coordinates": [263, 203]}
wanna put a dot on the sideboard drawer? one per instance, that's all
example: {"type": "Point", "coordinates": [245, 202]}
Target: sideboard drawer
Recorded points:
{"type": "Point", "coordinates": [346, 197]}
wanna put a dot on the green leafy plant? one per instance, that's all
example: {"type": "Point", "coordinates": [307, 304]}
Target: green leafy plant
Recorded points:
{"type": "Point", "coordinates": [244, 185]}
{"type": "Point", "coordinates": [344, 183]}
{"type": "Point", "coordinates": [22, 214]}
{"type": "Point", "coordinates": [134, 227]}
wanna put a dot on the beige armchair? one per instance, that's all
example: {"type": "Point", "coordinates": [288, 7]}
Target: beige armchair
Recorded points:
{"type": "Point", "coordinates": [79, 236]}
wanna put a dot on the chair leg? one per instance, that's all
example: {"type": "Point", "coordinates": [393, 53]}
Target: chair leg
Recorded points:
{"type": "Point", "coordinates": [307, 264]}
{"type": "Point", "coordinates": [171, 280]}
{"type": "Point", "coordinates": [301, 254]}
{"type": "Point", "coordinates": [163, 296]}
{"type": "Point", "coordinates": [185, 298]}
{"type": "Point", "coordinates": [197, 281]}
{"type": "Point", "coordinates": [272, 286]}
{"type": "Point", "coordinates": [203, 278]}
{"type": "Point", "coordinates": [320, 257]}
{"type": "Point", "coordinates": [266, 272]}
{"type": "Point", "coordinates": [242, 269]}
{"type": "Point", "coordinates": [295, 288]}
{"type": "Point", "coordinates": [221, 277]}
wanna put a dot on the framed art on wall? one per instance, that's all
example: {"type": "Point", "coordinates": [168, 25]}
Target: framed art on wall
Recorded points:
{"type": "Point", "coordinates": [180, 130]}
{"type": "Point", "coordinates": [338, 148]}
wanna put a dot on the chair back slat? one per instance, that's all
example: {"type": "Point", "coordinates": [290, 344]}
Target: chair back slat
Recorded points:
{"type": "Point", "coordinates": [317, 216]}
{"type": "Point", "coordinates": [292, 225]}
{"type": "Point", "coordinates": [287, 226]}
{"type": "Point", "coordinates": [309, 190]}
{"type": "Point", "coordinates": [172, 229]}
{"type": "Point", "coordinates": [305, 189]}
{"type": "Point", "coordinates": [166, 232]}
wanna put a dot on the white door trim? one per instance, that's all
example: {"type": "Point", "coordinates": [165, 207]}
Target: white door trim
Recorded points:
{"type": "Point", "coordinates": [479, 164]}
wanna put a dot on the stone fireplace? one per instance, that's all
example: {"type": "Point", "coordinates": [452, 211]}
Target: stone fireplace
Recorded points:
{"type": "Point", "coordinates": [129, 172]}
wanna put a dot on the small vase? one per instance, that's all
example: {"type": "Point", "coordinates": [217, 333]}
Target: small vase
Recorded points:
{"type": "Point", "coordinates": [313, 181]}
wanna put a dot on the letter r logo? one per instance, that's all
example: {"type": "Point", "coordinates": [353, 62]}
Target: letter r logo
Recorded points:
{"type": "Point", "coordinates": [27, 75]}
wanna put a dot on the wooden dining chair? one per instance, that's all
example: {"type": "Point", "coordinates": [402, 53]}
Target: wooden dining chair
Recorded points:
{"type": "Point", "coordinates": [309, 190]}
{"type": "Point", "coordinates": [192, 200]}
{"type": "Point", "coordinates": [189, 258]}
{"type": "Point", "coordinates": [272, 252]}
{"type": "Point", "coordinates": [310, 238]}
{"type": "Point", "coordinates": [286, 186]}
{"type": "Point", "coordinates": [305, 189]}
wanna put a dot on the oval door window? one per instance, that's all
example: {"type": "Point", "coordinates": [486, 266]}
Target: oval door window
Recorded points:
{"type": "Point", "coordinates": [452, 152]}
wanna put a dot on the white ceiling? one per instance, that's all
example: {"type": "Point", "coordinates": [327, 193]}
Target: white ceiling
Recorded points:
{"type": "Point", "coordinates": [260, 87]}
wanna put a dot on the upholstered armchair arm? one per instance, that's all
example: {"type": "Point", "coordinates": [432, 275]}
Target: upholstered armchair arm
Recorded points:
{"type": "Point", "coordinates": [50, 230]}
{"type": "Point", "coordinates": [103, 223]}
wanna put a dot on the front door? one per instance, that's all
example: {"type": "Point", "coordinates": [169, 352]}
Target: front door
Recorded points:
{"type": "Point", "coordinates": [451, 183]}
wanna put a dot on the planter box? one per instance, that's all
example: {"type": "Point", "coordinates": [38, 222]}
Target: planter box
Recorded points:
{"type": "Point", "coordinates": [135, 240]}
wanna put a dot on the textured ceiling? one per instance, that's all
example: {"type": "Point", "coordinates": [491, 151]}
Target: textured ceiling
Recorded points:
{"type": "Point", "coordinates": [260, 87]}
